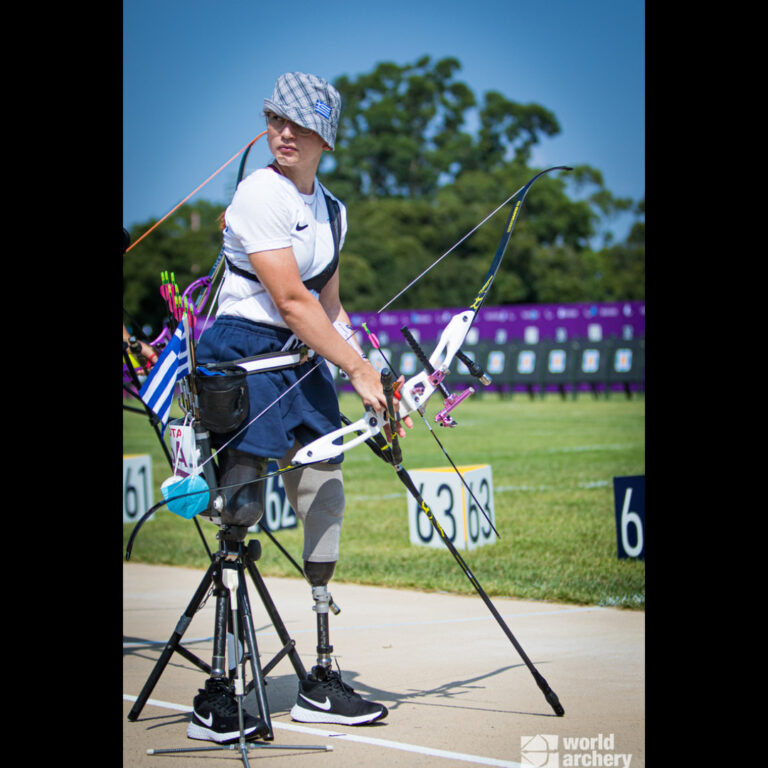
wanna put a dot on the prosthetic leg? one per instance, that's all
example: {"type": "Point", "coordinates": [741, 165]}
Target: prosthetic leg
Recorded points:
{"type": "Point", "coordinates": [318, 575]}
{"type": "Point", "coordinates": [323, 696]}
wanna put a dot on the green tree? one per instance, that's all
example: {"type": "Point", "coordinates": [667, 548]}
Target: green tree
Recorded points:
{"type": "Point", "coordinates": [403, 131]}
{"type": "Point", "coordinates": [622, 266]}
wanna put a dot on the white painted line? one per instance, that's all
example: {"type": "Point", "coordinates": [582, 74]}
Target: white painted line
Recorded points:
{"type": "Point", "coordinates": [161, 704]}
{"type": "Point", "coordinates": [586, 484]}
{"type": "Point", "coordinates": [386, 743]}
{"type": "Point", "coordinates": [608, 447]}
{"type": "Point", "coordinates": [364, 497]}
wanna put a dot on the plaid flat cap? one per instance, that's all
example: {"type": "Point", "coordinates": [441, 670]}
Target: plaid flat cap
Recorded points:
{"type": "Point", "coordinates": [309, 101]}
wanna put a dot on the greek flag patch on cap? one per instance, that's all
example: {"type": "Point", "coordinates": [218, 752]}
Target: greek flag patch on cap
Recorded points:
{"type": "Point", "coordinates": [309, 101]}
{"type": "Point", "coordinates": [323, 109]}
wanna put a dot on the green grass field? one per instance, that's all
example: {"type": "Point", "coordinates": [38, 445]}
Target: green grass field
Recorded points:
{"type": "Point", "coordinates": [553, 464]}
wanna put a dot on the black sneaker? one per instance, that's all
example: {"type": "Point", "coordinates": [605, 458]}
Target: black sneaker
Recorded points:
{"type": "Point", "coordinates": [214, 716]}
{"type": "Point", "coordinates": [325, 698]}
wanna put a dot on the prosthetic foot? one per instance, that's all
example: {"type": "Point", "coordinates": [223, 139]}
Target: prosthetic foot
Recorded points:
{"type": "Point", "coordinates": [324, 697]}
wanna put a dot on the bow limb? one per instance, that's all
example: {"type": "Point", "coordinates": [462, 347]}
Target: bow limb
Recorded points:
{"type": "Point", "coordinates": [419, 388]}
{"type": "Point", "coordinates": [367, 428]}
{"type": "Point", "coordinates": [517, 199]}
{"type": "Point", "coordinates": [519, 196]}
{"type": "Point", "coordinates": [319, 450]}
{"type": "Point", "coordinates": [326, 447]}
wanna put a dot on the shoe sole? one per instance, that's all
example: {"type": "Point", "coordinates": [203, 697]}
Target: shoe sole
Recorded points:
{"type": "Point", "coordinates": [195, 731]}
{"type": "Point", "coordinates": [302, 715]}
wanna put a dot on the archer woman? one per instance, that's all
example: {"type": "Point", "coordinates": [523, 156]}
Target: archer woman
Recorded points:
{"type": "Point", "coordinates": [280, 292]}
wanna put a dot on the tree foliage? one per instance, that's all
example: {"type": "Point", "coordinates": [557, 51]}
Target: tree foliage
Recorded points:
{"type": "Point", "coordinates": [403, 131]}
{"type": "Point", "coordinates": [420, 160]}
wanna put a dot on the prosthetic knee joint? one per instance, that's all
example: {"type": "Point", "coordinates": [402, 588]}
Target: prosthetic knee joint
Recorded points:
{"type": "Point", "coordinates": [319, 574]}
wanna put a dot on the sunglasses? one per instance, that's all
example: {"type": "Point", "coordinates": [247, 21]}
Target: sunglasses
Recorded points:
{"type": "Point", "coordinates": [278, 123]}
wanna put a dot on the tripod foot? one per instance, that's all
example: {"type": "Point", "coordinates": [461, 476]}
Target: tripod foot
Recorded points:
{"type": "Point", "coordinates": [233, 747]}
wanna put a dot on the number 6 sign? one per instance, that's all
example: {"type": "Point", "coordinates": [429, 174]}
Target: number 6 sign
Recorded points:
{"type": "Point", "coordinates": [629, 498]}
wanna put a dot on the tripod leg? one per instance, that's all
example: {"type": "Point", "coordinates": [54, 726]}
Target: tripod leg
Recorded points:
{"type": "Point", "coordinates": [172, 644]}
{"type": "Point", "coordinates": [229, 584]}
{"type": "Point", "coordinates": [231, 578]}
{"type": "Point", "coordinates": [274, 616]}
{"type": "Point", "coordinates": [250, 637]}
{"type": "Point", "coordinates": [219, 658]}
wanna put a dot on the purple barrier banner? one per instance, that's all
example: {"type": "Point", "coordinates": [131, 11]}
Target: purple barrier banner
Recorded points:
{"type": "Point", "coordinates": [530, 323]}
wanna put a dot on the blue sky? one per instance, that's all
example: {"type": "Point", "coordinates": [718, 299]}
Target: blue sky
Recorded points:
{"type": "Point", "coordinates": [195, 74]}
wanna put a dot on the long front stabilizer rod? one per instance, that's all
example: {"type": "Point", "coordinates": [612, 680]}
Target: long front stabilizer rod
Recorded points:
{"type": "Point", "coordinates": [549, 694]}
{"type": "Point", "coordinates": [378, 444]}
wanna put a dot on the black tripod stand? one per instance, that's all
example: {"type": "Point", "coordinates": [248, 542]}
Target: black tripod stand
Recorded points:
{"type": "Point", "coordinates": [225, 578]}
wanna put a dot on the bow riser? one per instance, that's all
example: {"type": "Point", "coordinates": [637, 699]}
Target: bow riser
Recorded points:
{"type": "Point", "coordinates": [419, 388]}
{"type": "Point", "coordinates": [414, 394]}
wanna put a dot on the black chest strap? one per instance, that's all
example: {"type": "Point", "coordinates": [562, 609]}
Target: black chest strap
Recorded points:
{"type": "Point", "coordinates": [316, 283]}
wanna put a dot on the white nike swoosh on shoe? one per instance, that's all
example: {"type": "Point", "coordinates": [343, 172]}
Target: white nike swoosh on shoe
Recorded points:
{"type": "Point", "coordinates": [205, 720]}
{"type": "Point", "coordinates": [323, 705]}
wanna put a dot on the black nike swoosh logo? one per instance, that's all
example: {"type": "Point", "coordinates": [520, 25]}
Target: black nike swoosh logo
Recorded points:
{"type": "Point", "coordinates": [299, 227]}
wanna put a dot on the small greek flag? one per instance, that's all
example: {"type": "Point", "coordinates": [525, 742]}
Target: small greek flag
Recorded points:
{"type": "Point", "coordinates": [323, 109]}
{"type": "Point", "coordinates": [172, 365]}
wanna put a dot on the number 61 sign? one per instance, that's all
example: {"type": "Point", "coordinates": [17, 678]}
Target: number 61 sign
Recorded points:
{"type": "Point", "coordinates": [455, 510]}
{"type": "Point", "coordinates": [137, 486]}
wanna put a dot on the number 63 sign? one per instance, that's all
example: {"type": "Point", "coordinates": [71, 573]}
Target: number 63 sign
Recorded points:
{"type": "Point", "coordinates": [453, 507]}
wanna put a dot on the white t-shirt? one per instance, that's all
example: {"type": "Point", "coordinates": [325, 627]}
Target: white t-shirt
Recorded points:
{"type": "Point", "coordinates": [268, 212]}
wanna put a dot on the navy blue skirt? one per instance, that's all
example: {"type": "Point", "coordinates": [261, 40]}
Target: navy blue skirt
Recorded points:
{"type": "Point", "coordinates": [307, 411]}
